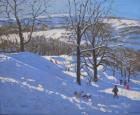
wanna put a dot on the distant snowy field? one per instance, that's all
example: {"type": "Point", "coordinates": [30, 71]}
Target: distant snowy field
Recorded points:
{"type": "Point", "coordinates": [31, 84]}
{"type": "Point", "coordinates": [127, 32]}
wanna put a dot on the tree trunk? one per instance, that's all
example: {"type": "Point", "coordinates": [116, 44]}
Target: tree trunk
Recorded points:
{"type": "Point", "coordinates": [20, 34]}
{"type": "Point", "coordinates": [21, 43]}
{"type": "Point", "coordinates": [129, 75]}
{"type": "Point", "coordinates": [95, 78]}
{"type": "Point", "coordinates": [78, 65]}
{"type": "Point", "coordinates": [78, 72]}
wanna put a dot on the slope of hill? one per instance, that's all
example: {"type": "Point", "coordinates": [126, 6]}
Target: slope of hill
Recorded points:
{"type": "Point", "coordinates": [126, 31]}
{"type": "Point", "coordinates": [32, 84]}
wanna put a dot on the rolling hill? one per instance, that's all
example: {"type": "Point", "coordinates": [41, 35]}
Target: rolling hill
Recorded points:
{"type": "Point", "coordinates": [31, 84]}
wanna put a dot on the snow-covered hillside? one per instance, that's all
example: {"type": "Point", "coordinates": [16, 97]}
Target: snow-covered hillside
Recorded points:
{"type": "Point", "coordinates": [120, 23]}
{"type": "Point", "coordinates": [125, 31]}
{"type": "Point", "coordinates": [31, 84]}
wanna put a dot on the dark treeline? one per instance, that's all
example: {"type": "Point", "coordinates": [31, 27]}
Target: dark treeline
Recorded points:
{"type": "Point", "coordinates": [39, 45]}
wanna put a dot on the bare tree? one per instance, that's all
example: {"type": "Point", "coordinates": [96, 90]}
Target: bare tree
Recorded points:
{"type": "Point", "coordinates": [99, 42]}
{"type": "Point", "coordinates": [127, 62]}
{"type": "Point", "coordinates": [78, 22]}
{"type": "Point", "coordinates": [21, 9]}
{"type": "Point", "coordinates": [97, 36]}
{"type": "Point", "coordinates": [124, 61]}
{"type": "Point", "coordinates": [86, 15]}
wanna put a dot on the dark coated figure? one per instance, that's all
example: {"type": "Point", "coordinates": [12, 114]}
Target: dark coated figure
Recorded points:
{"type": "Point", "coordinates": [115, 91]}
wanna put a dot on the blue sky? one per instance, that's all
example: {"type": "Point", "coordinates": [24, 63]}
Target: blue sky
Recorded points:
{"type": "Point", "coordinates": [121, 8]}
{"type": "Point", "coordinates": [127, 8]}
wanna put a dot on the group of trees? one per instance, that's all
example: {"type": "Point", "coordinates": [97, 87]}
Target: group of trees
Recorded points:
{"type": "Point", "coordinates": [86, 19]}
{"type": "Point", "coordinates": [124, 61]}
{"type": "Point", "coordinates": [49, 46]}
{"type": "Point", "coordinates": [87, 23]}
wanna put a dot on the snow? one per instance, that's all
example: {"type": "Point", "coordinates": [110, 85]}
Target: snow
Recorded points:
{"type": "Point", "coordinates": [121, 23]}
{"type": "Point", "coordinates": [19, 94]}
{"type": "Point", "coordinates": [125, 32]}
{"type": "Point", "coordinates": [31, 84]}
{"type": "Point", "coordinates": [51, 33]}
{"type": "Point", "coordinates": [133, 95]}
